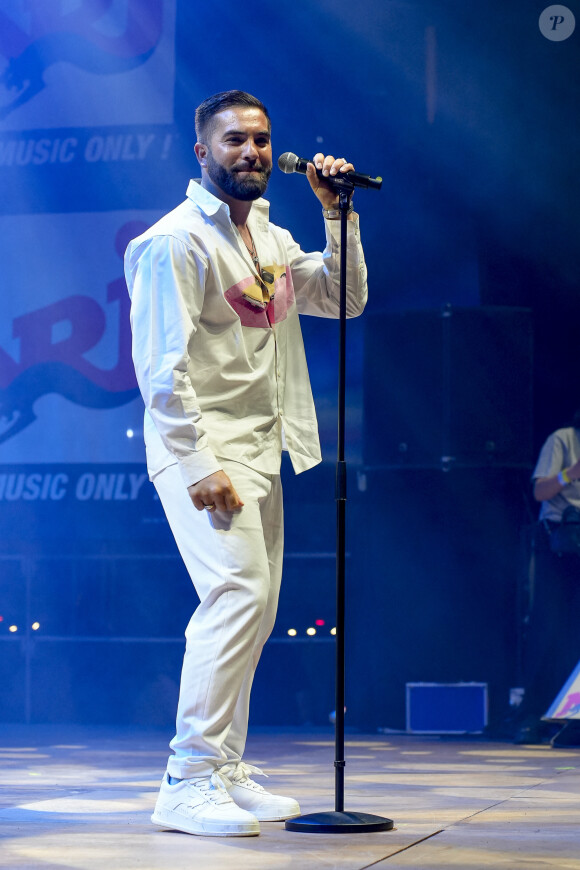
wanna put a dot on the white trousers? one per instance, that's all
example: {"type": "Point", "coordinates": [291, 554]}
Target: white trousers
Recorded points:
{"type": "Point", "coordinates": [235, 562]}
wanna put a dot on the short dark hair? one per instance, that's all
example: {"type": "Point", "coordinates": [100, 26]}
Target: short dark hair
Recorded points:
{"type": "Point", "coordinates": [206, 111]}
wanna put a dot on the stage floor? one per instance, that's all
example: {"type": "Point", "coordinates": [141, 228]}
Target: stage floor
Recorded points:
{"type": "Point", "coordinates": [73, 797]}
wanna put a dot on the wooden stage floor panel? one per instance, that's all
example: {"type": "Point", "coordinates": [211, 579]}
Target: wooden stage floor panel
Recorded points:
{"type": "Point", "coordinates": [75, 798]}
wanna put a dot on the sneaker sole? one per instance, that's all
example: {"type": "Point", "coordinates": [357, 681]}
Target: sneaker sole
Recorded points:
{"type": "Point", "coordinates": [264, 810]}
{"type": "Point", "coordinates": [274, 818]}
{"type": "Point", "coordinates": [178, 823]}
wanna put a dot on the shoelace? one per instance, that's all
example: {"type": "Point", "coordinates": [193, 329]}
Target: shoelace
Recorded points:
{"type": "Point", "coordinates": [213, 788]}
{"type": "Point", "coordinates": [243, 773]}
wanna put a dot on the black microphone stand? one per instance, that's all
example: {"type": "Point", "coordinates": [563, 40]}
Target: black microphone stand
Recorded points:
{"type": "Point", "coordinates": [339, 821]}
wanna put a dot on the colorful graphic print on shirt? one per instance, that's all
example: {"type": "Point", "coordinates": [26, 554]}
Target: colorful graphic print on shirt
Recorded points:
{"type": "Point", "coordinates": [245, 295]}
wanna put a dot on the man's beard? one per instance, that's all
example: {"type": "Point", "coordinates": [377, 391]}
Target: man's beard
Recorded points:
{"type": "Point", "coordinates": [246, 188]}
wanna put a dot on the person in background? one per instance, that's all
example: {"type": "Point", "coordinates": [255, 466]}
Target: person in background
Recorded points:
{"type": "Point", "coordinates": [553, 635]}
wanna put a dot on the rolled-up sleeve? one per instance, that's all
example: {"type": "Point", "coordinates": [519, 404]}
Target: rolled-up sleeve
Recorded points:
{"type": "Point", "coordinates": [316, 276]}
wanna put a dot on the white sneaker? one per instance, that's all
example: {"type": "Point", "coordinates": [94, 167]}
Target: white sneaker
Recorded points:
{"type": "Point", "coordinates": [202, 806]}
{"type": "Point", "coordinates": [249, 795]}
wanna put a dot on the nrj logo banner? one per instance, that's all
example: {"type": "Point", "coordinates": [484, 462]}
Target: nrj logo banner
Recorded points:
{"type": "Point", "coordinates": [67, 385]}
{"type": "Point", "coordinates": [82, 63]}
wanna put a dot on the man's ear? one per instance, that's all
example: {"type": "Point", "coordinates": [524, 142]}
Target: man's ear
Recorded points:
{"type": "Point", "coordinates": [201, 153]}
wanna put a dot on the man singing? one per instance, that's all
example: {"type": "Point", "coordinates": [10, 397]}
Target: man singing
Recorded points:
{"type": "Point", "coordinates": [216, 291]}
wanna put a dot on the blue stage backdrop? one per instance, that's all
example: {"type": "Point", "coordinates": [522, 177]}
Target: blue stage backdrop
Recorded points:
{"type": "Point", "coordinates": [446, 102]}
{"type": "Point", "coordinates": [468, 111]}
{"type": "Point", "coordinates": [96, 135]}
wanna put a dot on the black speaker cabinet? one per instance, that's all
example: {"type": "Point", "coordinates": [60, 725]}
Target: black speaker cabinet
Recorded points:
{"type": "Point", "coordinates": [447, 388]}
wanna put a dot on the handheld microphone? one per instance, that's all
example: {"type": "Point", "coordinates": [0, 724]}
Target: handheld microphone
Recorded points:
{"type": "Point", "coordinates": [289, 162]}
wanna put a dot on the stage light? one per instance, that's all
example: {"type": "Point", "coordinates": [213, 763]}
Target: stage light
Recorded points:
{"type": "Point", "coordinates": [292, 632]}
{"type": "Point", "coordinates": [130, 433]}
{"type": "Point", "coordinates": [13, 628]}
{"type": "Point", "coordinates": [35, 626]}
{"type": "Point", "coordinates": [319, 622]}
{"type": "Point", "coordinates": [311, 631]}
{"type": "Point", "coordinates": [333, 630]}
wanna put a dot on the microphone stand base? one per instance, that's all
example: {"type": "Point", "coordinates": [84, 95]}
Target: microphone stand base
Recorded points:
{"type": "Point", "coordinates": [339, 823]}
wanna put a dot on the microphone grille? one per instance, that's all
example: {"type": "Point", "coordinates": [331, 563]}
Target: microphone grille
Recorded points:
{"type": "Point", "coordinates": [288, 162]}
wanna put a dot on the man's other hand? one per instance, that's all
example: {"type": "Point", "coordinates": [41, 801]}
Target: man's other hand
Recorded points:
{"type": "Point", "coordinates": [215, 492]}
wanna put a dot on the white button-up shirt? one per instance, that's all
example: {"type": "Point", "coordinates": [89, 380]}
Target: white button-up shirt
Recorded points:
{"type": "Point", "coordinates": [222, 375]}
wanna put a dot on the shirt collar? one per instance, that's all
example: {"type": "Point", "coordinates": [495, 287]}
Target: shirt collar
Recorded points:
{"type": "Point", "coordinates": [211, 205]}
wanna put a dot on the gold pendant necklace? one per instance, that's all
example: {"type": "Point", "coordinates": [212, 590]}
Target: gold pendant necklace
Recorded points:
{"type": "Point", "coordinates": [252, 252]}
{"type": "Point", "coordinates": [258, 293]}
